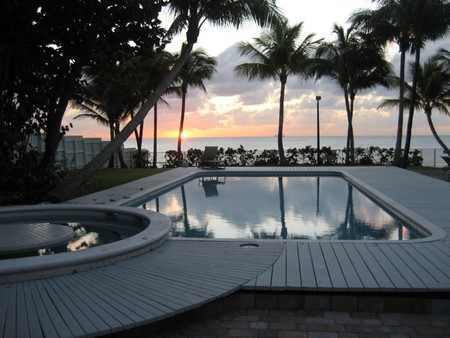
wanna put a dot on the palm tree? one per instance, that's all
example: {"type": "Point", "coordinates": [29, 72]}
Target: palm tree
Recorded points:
{"type": "Point", "coordinates": [277, 54]}
{"type": "Point", "coordinates": [162, 64]}
{"type": "Point", "coordinates": [197, 68]}
{"type": "Point", "coordinates": [95, 111]}
{"type": "Point", "coordinates": [354, 63]}
{"type": "Point", "coordinates": [190, 14]}
{"type": "Point", "coordinates": [390, 22]}
{"type": "Point", "coordinates": [108, 95]}
{"type": "Point", "coordinates": [443, 56]}
{"type": "Point", "coordinates": [433, 92]}
{"type": "Point", "coordinates": [410, 23]}
{"type": "Point", "coordinates": [431, 22]}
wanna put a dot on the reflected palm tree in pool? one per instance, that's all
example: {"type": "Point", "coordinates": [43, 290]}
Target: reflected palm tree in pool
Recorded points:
{"type": "Point", "coordinates": [188, 230]}
{"type": "Point", "coordinates": [284, 231]}
{"type": "Point", "coordinates": [353, 228]}
{"type": "Point", "coordinates": [277, 208]}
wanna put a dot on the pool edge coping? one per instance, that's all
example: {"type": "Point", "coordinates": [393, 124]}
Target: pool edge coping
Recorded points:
{"type": "Point", "coordinates": [436, 232]}
{"type": "Point", "coordinates": [36, 267]}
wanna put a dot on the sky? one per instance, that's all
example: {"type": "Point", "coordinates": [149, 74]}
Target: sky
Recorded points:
{"type": "Point", "coordinates": [235, 107]}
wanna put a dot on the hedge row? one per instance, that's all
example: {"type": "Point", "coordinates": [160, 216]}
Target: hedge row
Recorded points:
{"type": "Point", "coordinates": [294, 156]}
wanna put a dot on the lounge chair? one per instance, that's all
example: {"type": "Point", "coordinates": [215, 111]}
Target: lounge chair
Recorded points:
{"type": "Point", "coordinates": [210, 160]}
{"type": "Point", "coordinates": [210, 184]}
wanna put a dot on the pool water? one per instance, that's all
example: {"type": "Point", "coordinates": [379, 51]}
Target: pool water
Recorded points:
{"type": "Point", "coordinates": [304, 207]}
{"type": "Point", "coordinates": [85, 235]}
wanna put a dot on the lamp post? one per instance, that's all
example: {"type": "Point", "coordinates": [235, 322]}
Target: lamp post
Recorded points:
{"type": "Point", "coordinates": [318, 131]}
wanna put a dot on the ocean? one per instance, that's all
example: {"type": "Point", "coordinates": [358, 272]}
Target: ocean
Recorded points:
{"type": "Point", "coordinates": [262, 143]}
{"type": "Point", "coordinates": [431, 151]}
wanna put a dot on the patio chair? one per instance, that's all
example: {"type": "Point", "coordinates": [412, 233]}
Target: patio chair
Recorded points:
{"type": "Point", "coordinates": [209, 158]}
{"type": "Point", "coordinates": [210, 184]}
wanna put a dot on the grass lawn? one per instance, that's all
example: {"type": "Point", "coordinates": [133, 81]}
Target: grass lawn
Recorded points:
{"type": "Point", "coordinates": [432, 172]}
{"type": "Point", "coordinates": [108, 178]}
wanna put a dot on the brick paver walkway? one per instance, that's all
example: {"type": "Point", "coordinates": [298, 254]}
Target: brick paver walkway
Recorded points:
{"type": "Point", "coordinates": [312, 324]}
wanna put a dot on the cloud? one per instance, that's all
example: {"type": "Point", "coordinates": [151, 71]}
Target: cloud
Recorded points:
{"type": "Point", "coordinates": [235, 106]}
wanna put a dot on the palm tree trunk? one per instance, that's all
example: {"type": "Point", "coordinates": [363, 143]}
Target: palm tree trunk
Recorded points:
{"type": "Point", "coordinates": [123, 165]}
{"type": "Point", "coordinates": [55, 116]}
{"type": "Point", "coordinates": [349, 143]}
{"type": "Point", "coordinates": [435, 134]}
{"type": "Point", "coordinates": [280, 124]}
{"type": "Point", "coordinates": [138, 134]}
{"type": "Point", "coordinates": [411, 109]}
{"type": "Point", "coordinates": [111, 137]}
{"type": "Point", "coordinates": [155, 134]}
{"type": "Point", "coordinates": [64, 190]}
{"type": "Point", "coordinates": [180, 132]}
{"type": "Point", "coordinates": [187, 226]}
{"type": "Point", "coordinates": [398, 142]}
{"type": "Point", "coordinates": [284, 230]}
{"type": "Point", "coordinates": [351, 136]}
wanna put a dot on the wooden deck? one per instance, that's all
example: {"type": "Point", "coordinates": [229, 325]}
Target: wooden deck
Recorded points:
{"type": "Point", "coordinates": [175, 278]}
{"type": "Point", "coordinates": [354, 267]}
{"type": "Point", "coordinates": [185, 274]}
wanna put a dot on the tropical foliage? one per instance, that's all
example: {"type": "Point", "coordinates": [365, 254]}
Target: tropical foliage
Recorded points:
{"type": "Point", "coordinates": [190, 15]}
{"type": "Point", "coordinates": [198, 67]}
{"type": "Point", "coordinates": [432, 93]}
{"type": "Point", "coordinates": [43, 50]}
{"type": "Point", "coordinates": [410, 23]}
{"type": "Point", "coordinates": [295, 156]}
{"type": "Point", "coordinates": [278, 54]}
{"type": "Point", "coordinates": [355, 63]}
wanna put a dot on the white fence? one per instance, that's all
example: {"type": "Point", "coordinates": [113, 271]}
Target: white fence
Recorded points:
{"type": "Point", "coordinates": [75, 151]}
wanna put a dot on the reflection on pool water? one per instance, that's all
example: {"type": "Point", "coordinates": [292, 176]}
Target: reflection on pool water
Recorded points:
{"type": "Point", "coordinates": [304, 207]}
{"type": "Point", "coordinates": [85, 235]}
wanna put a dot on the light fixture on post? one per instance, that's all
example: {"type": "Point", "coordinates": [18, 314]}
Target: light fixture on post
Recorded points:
{"type": "Point", "coordinates": [318, 131]}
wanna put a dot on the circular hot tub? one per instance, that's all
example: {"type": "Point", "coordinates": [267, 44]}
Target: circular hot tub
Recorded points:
{"type": "Point", "coordinates": [29, 235]}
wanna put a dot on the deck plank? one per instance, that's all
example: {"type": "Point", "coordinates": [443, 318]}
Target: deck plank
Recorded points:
{"type": "Point", "coordinates": [308, 280]}
{"type": "Point", "coordinates": [368, 281]}
{"type": "Point", "coordinates": [320, 268]}
{"type": "Point", "coordinates": [441, 250]}
{"type": "Point", "coordinates": [279, 272]}
{"type": "Point", "coordinates": [264, 280]}
{"type": "Point", "coordinates": [11, 318]}
{"type": "Point", "coordinates": [100, 319]}
{"type": "Point", "coordinates": [442, 264]}
{"type": "Point", "coordinates": [421, 273]}
{"type": "Point", "coordinates": [46, 324]}
{"type": "Point", "coordinates": [292, 266]}
{"type": "Point", "coordinates": [429, 264]}
{"type": "Point", "coordinates": [32, 316]}
{"type": "Point", "coordinates": [408, 274]}
{"type": "Point", "coordinates": [80, 323]}
{"type": "Point", "coordinates": [105, 307]}
{"type": "Point", "coordinates": [199, 280]}
{"type": "Point", "coordinates": [334, 270]}
{"type": "Point", "coordinates": [146, 298]}
{"type": "Point", "coordinates": [121, 306]}
{"type": "Point", "coordinates": [348, 270]}
{"type": "Point", "coordinates": [385, 284]}
{"type": "Point", "coordinates": [397, 279]}
{"type": "Point", "coordinates": [23, 330]}
{"type": "Point", "coordinates": [165, 295]}
{"type": "Point", "coordinates": [4, 299]}
{"type": "Point", "coordinates": [54, 313]}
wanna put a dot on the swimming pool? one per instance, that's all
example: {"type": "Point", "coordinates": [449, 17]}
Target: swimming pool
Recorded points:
{"type": "Point", "coordinates": [277, 207]}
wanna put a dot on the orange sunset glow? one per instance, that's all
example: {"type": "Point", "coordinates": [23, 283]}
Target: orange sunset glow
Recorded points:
{"type": "Point", "coordinates": [235, 107]}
